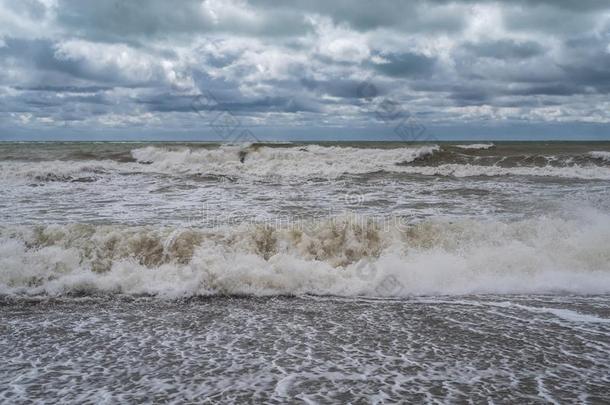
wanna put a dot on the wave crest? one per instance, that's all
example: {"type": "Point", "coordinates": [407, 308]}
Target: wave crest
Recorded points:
{"type": "Point", "coordinates": [345, 256]}
{"type": "Point", "coordinates": [601, 155]}
{"type": "Point", "coordinates": [477, 146]}
{"type": "Point", "coordinates": [306, 161]}
{"type": "Point", "coordinates": [333, 162]}
{"type": "Point", "coordinates": [315, 162]}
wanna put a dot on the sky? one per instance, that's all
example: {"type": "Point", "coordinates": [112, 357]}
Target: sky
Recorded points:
{"type": "Point", "coordinates": [304, 69]}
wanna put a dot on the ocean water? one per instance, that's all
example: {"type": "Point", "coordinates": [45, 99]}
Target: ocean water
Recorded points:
{"type": "Point", "coordinates": [312, 273]}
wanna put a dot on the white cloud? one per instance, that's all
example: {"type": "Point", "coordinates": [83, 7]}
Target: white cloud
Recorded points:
{"type": "Point", "coordinates": [339, 43]}
{"type": "Point", "coordinates": [125, 62]}
{"type": "Point", "coordinates": [301, 63]}
{"type": "Point", "coordinates": [230, 12]}
{"type": "Point", "coordinates": [104, 57]}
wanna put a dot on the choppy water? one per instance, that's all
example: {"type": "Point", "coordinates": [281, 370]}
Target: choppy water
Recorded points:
{"type": "Point", "coordinates": [370, 272]}
{"type": "Point", "coordinates": [493, 349]}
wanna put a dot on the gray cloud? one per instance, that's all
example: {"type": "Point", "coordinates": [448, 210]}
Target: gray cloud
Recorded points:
{"type": "Point", "coordinates": [405, 65]}
{"type": "Point", "coordinates": [505, 49]}
{"type": "Point", "coordinates": [301, 63]}
{"type": "Point", "coordinates": [141, 20]}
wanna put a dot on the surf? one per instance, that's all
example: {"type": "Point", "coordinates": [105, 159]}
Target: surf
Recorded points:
{"type": "Point", "coordinates": [344, 256]}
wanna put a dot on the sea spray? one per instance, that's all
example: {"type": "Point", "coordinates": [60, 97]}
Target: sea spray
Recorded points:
{"type": "Point", "coordinates": [339, 257]}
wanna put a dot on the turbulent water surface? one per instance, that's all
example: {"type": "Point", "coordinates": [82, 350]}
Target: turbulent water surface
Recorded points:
{"type": "Point", "coordinates": [364, 272]}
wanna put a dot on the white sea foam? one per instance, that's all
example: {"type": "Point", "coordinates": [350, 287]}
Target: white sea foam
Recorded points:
{"type": "Point", "coordinates": [311, 161]}
{"type": "Point", "coordinates": [306, 161]}
{"type": "Point", "coordinates": [544, 255]}
{"type": "Point", "coordinates": [50, 170]}
{"type": "Point", "coordinates": [565, 314]}
{"type": "Point", "coordinates": [602, 155]}
{"type": "Point", "coordinates": [332, 162]}
{"type": "Point", "coordinates": [477, 146]}
{"type": "Point", "coordinates": [470, 170]}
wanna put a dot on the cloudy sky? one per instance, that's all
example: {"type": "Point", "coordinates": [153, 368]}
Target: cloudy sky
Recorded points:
{"type": "Point", "coordinates": [318, 69]}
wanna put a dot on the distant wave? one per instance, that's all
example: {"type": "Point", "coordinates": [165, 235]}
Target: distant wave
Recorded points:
{"type": "Point", "coordinates": [58, 171]}
{"type": "Point", "coordinates": [311, 161]}
{"type": "Point", "coordinates": [332, 162]}
{"type": "Point", "coordinates": [346, 256]}
{"type": "Point", "coordinates": [471, 170]}
{"type": "Point", "coordinates": [602, 155]}
{"type": "Point", "coordinates": [476, 146]}
{"type": "Point", "coordinates": [304, 161]}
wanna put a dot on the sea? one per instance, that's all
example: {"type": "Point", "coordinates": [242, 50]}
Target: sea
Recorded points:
{"type": "Point", "coordinates": [315, 273]}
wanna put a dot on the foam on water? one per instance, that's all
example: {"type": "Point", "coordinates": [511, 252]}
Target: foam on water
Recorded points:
{"type": "Point", "coordinates": [477, 146]}
{"type": "Point", "coordinates": [602, 155]}
{"type": "Point", "coordinates": [306, 161]}
{"type": "Point", "coordinates": [332, 162]}
{"type": "Point", "coordinates": [477, 349]}
{"type": "Point", "coordinates": [309, 161]}
{"type": "Point", "coordinates": [341, 256]}
{"type": "Point", "coordinates": [55, 170]}
{"type": "Point", "coordinates": [417, 269]}
{"type": "Point", "coordinates": [471, 170]}
{"type": "Point", "coordinates": [561, 313]}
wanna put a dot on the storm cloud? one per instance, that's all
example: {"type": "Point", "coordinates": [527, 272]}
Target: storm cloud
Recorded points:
{"type": "Point", "coordinates": [300, 65]}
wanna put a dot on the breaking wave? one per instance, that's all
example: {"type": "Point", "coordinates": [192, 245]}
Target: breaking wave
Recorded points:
{"type": "Point", "coordinates": [58, 171]}
{"type": "Point", "coordinates": [305, 161]}
{"type": "Point", "coordinates": [601, 155]}
{"type": "Point", "coordinates": [471, 170]}
{"type": "Point", "coordinates": [346, 256]}
{"type": "Point", "coordinates": [334, 161]}
{"type": "Point", "coordinates": [315, 161]}
{"type": "Point", "coordinates": [476, 146]}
